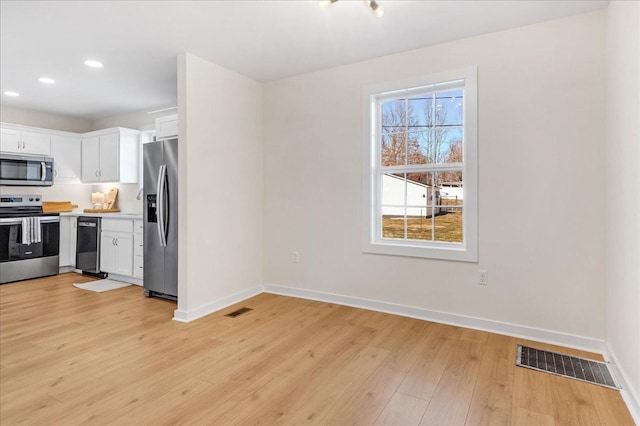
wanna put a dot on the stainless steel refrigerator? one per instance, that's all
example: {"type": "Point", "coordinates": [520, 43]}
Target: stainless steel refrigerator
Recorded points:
{"type": "Point", "coordinates": [161, 219]}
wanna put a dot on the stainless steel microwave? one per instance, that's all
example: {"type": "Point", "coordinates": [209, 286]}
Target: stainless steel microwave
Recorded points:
{"type": "Point", "coordinates": [26, 170]}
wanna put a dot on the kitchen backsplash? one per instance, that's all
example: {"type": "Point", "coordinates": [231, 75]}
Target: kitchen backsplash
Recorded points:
{"type": "Point", "coordinates": [81, 194]}
{"type": "Point", "coordinates": [127, 192]}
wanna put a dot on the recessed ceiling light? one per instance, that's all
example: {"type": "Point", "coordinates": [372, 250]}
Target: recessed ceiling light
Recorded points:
{"type": "Point", "coordinates": [46, 80]}
{"type": "Point", "coordinates": [93, 64]}
{"type": "Point", "coordinates": [10, 93]}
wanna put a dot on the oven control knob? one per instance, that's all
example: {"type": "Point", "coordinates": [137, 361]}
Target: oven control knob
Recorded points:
{"type": "Point", "coordinates": [37, 199]}
{"type": "Point", "coordinates": [31, 199]}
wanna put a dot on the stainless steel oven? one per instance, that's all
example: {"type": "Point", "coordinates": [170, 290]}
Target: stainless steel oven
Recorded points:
{"type": "Point", "coordinates": [26, 170]}
{"type": "Point", "coordinates": [29, 239]}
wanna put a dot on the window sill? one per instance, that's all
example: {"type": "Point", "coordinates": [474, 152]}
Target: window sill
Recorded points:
{"type": "Point", "coordinates": [445, 252]}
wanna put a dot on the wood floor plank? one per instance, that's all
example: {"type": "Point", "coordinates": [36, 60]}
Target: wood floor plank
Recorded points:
{"type": "Point", "coordinates": [451, 399]}
{"type": "Point", "coordinates": [423, 378]}
{"type": "Point", "coordinates": [403, 410]}
{"type": "Point", "coordinates": [70, 356]}
{"type": "Point", "coordinates": [492, 396]}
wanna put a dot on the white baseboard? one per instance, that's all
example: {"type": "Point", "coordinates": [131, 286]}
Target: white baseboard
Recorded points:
{"type": "Point", "coordinates": [628, 393]}
{"type": "Point", "coordinates": [521, 331]}
{"type": "Point", "coordinates": [209, 308]}
{"type": "Point", "coordinates": [125, 279]}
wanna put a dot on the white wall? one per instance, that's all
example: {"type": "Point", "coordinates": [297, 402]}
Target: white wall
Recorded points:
{"type": "Point", "coordinates": [623, 188]}
{"type": "Point", "coordinates": [221, 190]}
{"type": "Point", "coordinates": [44, 119]}
{"type": "Point", "coordinates": [541, 128]}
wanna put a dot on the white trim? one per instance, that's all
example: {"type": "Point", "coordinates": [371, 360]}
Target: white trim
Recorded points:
{"type": "Point", "coordinates": [209, 308]}
{"type": "Point", "coordinates": [126, 279]}
{"type": "Point", "coordinates": [372, 242]}
{"type": "Point", "coordinates": [629, 395]}
{"type": "Point", "coordinates": [514, 330]}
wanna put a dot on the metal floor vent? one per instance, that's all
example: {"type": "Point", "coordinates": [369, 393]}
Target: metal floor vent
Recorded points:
{"type": "Point", "coordinates": [238, 312]}
{"type": "Point", "coordinates": [564, 365]}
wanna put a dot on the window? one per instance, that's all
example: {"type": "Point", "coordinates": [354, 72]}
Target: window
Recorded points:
{"type": "Point", "coordinates": [420, 167]}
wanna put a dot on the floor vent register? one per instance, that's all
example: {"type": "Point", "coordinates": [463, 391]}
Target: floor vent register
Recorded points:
{"type": "Point", "coordinates": [238, 312]}
{"type": "Point", "coordinates": [583, 369]}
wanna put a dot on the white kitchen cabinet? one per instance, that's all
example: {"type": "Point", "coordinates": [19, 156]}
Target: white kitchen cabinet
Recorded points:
{"type": "Point", "coordinates": [68, 235]}
{"type": "Point", "coordinates": [64, 254]}
{"type": "Point", "coordinates": [116, 253]}
{"type": "Point", "coordinates": [110, 155]}
{"type": "Point", "coordinates": [167, 127]}
{"type": "Point", "coordinates": [138, 249]}
{"type": "Point", "coordinates": [66, 153]}
{"type": "Point", "coordinates": [24, 142]}
{"type": "Point", "coordinates": [116, 246]}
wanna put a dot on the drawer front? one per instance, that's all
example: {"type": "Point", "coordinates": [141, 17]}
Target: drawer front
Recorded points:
{"type": "Point", "coordinates": [138, 227]}
{"type": "Point", "coordinates": [117, 225]}
{"type": "Point", "coordinates": [138, 266]}
{"type": "Point", "coordinates": [138, 244]}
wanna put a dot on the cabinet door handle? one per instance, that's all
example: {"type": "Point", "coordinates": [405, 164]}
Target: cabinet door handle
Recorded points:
{"type": "Point", "coordinates": [55, 173]}
{"type": "Point", "coordinates": [100, 172]}
{"type": "Point", "coordinates": [22, 144]}
{"type": "Point", "coordinates": [96, 172]}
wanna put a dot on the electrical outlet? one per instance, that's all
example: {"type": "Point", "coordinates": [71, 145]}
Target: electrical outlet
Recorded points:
{"type": "Point", "coordinates": [296, 257]}
{"type": "Point", "coordinates": [483, 277]}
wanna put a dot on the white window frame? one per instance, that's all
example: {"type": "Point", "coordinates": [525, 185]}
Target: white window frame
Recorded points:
{"type": "Point", "coordinates": [372, 241]}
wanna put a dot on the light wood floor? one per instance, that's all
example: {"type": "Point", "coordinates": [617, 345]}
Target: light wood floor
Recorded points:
{"type": "Point", "coordinates": [70, 356]}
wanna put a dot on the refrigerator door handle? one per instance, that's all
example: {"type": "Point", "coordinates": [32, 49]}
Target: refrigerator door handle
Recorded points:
{"type": "Point", "coordinates": [160, 208]}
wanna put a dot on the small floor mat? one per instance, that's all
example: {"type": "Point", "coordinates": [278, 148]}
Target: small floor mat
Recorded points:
{"type": "Point", "coordinates": [102, 285]}
{"type": "Point", "coordinates": [583, 369]}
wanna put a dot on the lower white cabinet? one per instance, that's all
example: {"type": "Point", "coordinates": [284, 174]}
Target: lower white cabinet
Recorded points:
{"type": "Point", "coordinates": [138, 249]}
{"type": "Point", "coordinates": [68, 236]}
{"type": "Point", "coordinates": [116, 246]}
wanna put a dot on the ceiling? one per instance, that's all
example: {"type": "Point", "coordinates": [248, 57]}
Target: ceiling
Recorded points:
{"type": "Point", "coordinates": [138, 42]}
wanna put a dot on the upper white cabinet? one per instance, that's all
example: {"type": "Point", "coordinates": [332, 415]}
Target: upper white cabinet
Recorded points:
{"type": "Point", "coordinates": [24, 142]}
{"type": "Point", "coordinates": [167, 127]}
{"type": "Point", "coordinates": [66, 153]}
{"type": "Point", "coordinates": [110, 155]}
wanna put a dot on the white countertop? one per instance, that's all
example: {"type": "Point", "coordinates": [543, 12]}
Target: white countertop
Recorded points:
{"type": "Point", "coordinates": [135, 216]}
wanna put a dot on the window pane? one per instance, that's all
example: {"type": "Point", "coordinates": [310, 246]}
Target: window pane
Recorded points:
{"type": "Point", "coordinates": [449, 108]}
{"type": "Point", "coordinates": [422, 199]}
{"type": "Point", "coordinates": [394, 116]}
{"type": "Point", "coordinates": [448, 224]}
{"type": "Point", "coordinates": [394, 147]}
{"type": "Point", "coordinates": [435, 146]}
{"type": "Point", "coordinates": [418, 147]}
{"type": "Point", "coordinates": [393, 205]}
{"type": "Point", "coordinates": [419, 112]}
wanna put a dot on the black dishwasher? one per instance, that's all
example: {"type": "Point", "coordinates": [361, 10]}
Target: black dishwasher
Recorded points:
{"type": "Point", "coordinates": [88, 246]}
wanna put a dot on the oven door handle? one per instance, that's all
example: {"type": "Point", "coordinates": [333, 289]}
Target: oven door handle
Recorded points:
{"type": "Point", "coordinates": [18, 221]}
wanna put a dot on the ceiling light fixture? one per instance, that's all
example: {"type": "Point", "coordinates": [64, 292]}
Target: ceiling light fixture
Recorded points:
{"type": "Point", "coordinates": [46, 80]}
{"type": "Point", "coordinates": [93, 64]}
{"type": "Point", "coordinates": [327, 3]}
{"type": "Point", "coordinates": [376, 8]}
{"type": "Point", "coordinates": [10, 93]}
